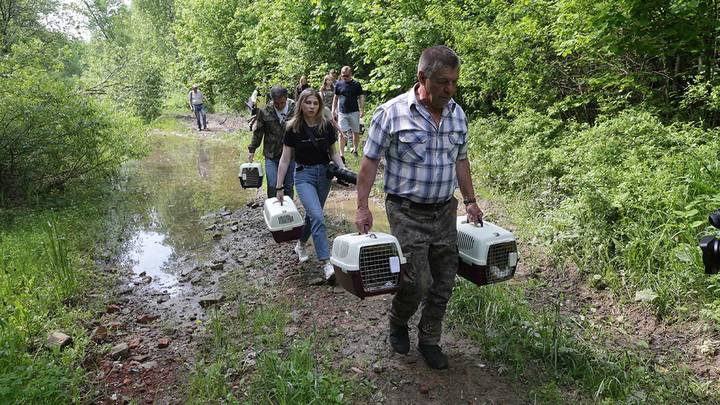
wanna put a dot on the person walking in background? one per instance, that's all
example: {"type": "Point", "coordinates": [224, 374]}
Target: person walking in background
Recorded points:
{"type": "Point", "coordinates": [327, 90]}
{"type": "Point", "coordinates": [302, 85]}
{"type": "Point", "coordinates": [349, 106]}
{"type": "Point", "coordinates": [196, 99]}
{"type": "Point", "coordinates": [270, 130]}
{"type": "Point", "coordinates": [422, 135]}
{"type": "Point", "coordinates": [310, 139]}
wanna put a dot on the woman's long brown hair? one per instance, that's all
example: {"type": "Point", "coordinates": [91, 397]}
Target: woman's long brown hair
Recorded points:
{"type": "Point", "coordinates": [297, 119]}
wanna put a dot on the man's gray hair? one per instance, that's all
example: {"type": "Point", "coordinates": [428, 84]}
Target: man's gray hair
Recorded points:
{"type": "Point", "coordinates": [436, 58]}
{"type": "Point", "coordinates": [277, 92]}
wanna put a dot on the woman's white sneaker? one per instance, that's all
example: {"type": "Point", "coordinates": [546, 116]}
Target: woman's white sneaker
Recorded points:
{"type": "Point", "coordinates": [329, 272]}
{"type": "Point", "coordinates": [301, 251]}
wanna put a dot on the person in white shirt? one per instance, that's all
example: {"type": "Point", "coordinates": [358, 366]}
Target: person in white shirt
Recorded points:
{"type": "Point", "coordinates": [196, 99]}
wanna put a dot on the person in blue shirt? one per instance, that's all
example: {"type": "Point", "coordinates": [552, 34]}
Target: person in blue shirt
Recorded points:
{"type": "Point", "coordinates": [422, 135]}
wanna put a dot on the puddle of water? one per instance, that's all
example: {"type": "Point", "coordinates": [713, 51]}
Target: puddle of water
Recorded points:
{"type": "Point", "coordinates": [182, 179]}
{"type": "Point", "coordinates": [149, 254]}
{"type": "Point", "coordinates": [170, 189]}
{"type": "Point", "coordinates": [345, 208]}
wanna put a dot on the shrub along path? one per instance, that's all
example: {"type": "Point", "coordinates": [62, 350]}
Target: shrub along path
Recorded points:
{"type": "Point", "coordinates": [687, 342]}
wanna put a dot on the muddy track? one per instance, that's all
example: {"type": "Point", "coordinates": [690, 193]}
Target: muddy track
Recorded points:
{"type": "Point", "coordinates": [355, 328]}
{"type": "Point", "coordinates": [155, 331]}
{"type": "Point", "coordinates": [151, 333]}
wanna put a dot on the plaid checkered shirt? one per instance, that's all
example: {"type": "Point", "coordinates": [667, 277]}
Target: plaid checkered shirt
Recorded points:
{"type": "Point", "coordinates": [419, 155]}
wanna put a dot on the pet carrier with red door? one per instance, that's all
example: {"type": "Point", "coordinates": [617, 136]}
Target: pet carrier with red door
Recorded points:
{"type": "Point", "coordinates": [488, 253]}
{"type": "Point", "coordinates": [368, 264]}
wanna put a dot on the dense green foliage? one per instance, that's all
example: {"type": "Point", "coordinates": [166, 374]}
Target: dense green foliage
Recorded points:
{"type": "Point", "coordinates": [624, 199]}
{"type": "Point", "coordinates": [52, 131]}
{"type": "Point", "coordinates": [598, 116]}
{"type": "Point", "coordinates": [568, 58]}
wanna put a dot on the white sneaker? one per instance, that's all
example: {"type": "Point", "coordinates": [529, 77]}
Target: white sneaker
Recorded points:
{"type": "Point", "coordinates": [329, 272]}
{"type": "Point", "coordinates": [301, 251]}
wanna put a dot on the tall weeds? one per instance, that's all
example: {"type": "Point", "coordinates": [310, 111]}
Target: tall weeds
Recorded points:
{"type": "Point", "coordinates": [625, 199]}
{"type": "Point", "coordinates": [58, 264]}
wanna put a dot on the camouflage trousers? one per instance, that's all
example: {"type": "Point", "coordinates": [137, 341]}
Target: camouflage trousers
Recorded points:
{"type": "Point", "coordinates": [428, 239]}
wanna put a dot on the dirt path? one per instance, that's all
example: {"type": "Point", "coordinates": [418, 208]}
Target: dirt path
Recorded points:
{"type": "Point", "coordinates": [357, 328]}
{"type": "Point", "coordinates": [150, 333]}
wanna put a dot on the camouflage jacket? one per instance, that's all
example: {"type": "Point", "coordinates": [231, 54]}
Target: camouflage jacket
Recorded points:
{"type": "Point", "coordinates": [268, 127]}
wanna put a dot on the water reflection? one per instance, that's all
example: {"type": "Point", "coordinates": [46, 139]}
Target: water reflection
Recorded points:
{"type": "Point", "coordinates": [182, 179]}
{"type": "Point", "coordinates": [170, 189]}
{"type": "Point", "coordinates": [149, 254]}
{"type": "Point", "coordinates": [345, 208]}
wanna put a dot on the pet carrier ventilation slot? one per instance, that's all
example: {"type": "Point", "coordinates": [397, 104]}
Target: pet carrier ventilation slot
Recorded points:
{"type": "Point", "coordinates": [368, 264]}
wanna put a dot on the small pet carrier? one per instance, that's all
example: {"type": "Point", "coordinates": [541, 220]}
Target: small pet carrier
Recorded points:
{"type": "Point", "coordinates": [251, 175]}
{"type": "Point", "coordinates": [368, 264]}
{"type": "Point", "coordinates": [488, 253]}
{"type": "Point", "coordinates": [284, 221]}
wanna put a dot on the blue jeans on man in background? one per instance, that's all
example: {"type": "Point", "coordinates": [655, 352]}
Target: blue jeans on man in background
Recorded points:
{"type": "Point", "coordinates": [313, 187]}
{"type": "Point", "coordinates": [200, 116]}
{"type": "Point", "coordinates": [271, 169]}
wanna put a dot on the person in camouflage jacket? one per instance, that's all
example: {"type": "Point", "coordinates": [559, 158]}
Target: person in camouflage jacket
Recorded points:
{"type": "Point", "coordinates": [270, 130]}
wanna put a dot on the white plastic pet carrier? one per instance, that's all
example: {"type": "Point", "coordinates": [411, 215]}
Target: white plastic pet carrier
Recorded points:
{"type": "Point", "coordinates": [251, 175]}
{"type": "Point", "coordinates": [284, 221]}
{"type": "Point", "coordinates": [368, 264]}
{"type": "Point", "coordinates": [488, 253]}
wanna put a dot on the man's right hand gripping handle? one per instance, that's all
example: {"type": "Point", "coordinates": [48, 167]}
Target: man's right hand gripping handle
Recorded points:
{"type": "Point", "coordinates": [363, 219]}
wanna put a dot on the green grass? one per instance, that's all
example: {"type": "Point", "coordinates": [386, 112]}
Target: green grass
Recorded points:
{"type": "Point", "coordinates": [46, 274]}
{"type": "Point", "coordinates": [246, 358]}
{"type": "Point", "coordinates": [562, 351]}
{"type": "Point", "coordinates": [168, 123]}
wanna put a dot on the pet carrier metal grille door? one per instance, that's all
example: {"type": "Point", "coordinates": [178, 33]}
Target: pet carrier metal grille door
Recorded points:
{"type": "Point", "coordinates": [499, 254]}
{"type": "Point", "coordinates": [251, 178]}
{"type": "Point", "coordinates": [498, 260]}
{"type": "Point", "coordinates": [375, 269]}
{"type": "Point", "coordinates": [251, 175]}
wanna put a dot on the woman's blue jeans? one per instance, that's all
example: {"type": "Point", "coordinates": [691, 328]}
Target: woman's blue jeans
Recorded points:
{"type": "Point", "coordinates": [313, 186]}
{"type": "Point", "coordinates": [271, 170]}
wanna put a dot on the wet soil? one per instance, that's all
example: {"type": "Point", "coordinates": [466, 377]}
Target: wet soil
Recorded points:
{"type": "Point", "coordinates": [185, 256]}
{"type": "Point", "coordinates": [197, 236]}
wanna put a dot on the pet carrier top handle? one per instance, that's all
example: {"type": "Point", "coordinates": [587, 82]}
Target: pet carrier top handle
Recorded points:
{"type": "Point", "coordinates": [480, 224]}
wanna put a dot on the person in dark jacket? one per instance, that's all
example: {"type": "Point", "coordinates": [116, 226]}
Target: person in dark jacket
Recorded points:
{"type": "Point", "coordinates": [270, 130]}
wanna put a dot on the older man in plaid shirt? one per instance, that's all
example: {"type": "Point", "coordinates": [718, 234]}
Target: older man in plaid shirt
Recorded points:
{"type": "Point", "coordinates": [423, 136]}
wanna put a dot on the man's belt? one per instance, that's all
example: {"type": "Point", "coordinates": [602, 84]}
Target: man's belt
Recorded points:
{"type": "Point", "coordinates": [420, 206]}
